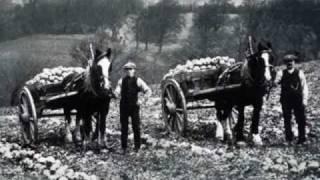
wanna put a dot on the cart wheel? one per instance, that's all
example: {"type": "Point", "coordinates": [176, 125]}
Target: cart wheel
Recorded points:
{"type": "Point", "coordinates": [174, 107]}
{"type": "Point", "coordinates": [28, 117]}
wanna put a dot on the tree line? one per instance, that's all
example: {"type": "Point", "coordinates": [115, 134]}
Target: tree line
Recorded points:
{"type": "Point", "coordinates": [287, 23]}
{"type": "Point", "coordinates": [64, 16]}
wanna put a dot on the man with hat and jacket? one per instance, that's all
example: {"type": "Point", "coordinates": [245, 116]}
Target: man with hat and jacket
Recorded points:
{"type": "Point", "coordinates": [293, 98]}
{"type": "Point", "coordinates": [128, 88]}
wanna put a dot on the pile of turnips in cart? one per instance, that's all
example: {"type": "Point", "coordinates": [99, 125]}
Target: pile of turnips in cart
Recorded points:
{"type": "Point", "coordinates": [54, 75]}
{"type": "Point", "coordinates": [202, 64]}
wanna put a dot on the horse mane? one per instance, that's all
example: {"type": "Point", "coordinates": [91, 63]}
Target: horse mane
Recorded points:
{"type": "Point", "coordinates": [88, 85]}
{"type": "Point", "coordinates": [246, 69]}
{"type": "Point", "coordinates": [245, 73]}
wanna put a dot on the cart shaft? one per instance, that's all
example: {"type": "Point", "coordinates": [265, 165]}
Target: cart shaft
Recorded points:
{"type": "Point", "coordinates": [217, 89]}
{"type": "Point", "coordinates": [204, 106]}
{"type": "Point", "coordinates": [60, 96]}
{"type": "Point", "coordinates": [56, 114]}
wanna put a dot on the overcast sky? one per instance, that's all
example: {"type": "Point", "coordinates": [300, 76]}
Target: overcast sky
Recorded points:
{"type": "Point", "coordinates": [237, 2]}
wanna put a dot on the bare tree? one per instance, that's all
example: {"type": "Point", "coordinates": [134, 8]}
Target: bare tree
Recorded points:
{"type": "Point", "coordinates": [101, 40]}
{"type": "Point", "coordinates": [159, 23]}
{"type": "Point", "coordinates": [208, 19]}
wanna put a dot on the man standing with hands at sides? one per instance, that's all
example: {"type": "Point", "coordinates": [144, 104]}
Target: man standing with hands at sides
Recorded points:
{"type": "Point", "coordinates": [293, 98]}
{"type": "Point", "coordinates": [128, 89]}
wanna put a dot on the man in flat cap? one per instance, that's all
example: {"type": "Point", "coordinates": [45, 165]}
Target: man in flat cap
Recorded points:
{"type": "Point", "coordinates": [293, 98]}
{"type": "Point", "coordinates": [128, 88]}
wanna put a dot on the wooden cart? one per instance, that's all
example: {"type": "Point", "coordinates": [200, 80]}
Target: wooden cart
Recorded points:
{"type": "Point", "coordinates": [34, 99]}
{"type": "Point", "coordinates": [181, 89]}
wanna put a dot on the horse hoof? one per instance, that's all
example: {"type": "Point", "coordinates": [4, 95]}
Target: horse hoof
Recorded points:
{"type": "Point", "coordinates": [228, 138]}
{"type": "Point", "coordinates": [102, 143]}
{"type": "Point", "coordinates": [68, 138]}
{"type": "Point", "coordinates": [85, 145]}
{"type": "Point", "coordinates": [77, 137]}
{"type": "Point", "coordinates": [240, 137]}
{"type": "Point", "coordinates": [241, 144]}
{"type": "Point", "coordinates": [220, 138]}
{"type": "Point", "coordinates": [256, 139]}
{"type": "Point", "coordinates": [94, 136]}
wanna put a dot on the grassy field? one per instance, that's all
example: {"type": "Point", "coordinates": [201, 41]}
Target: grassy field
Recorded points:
{"type": "Point", "coordinates": [54, 49]}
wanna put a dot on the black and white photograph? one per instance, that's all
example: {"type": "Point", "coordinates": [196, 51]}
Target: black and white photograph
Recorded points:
{"type": "Point", "coordinates": [160, 89]}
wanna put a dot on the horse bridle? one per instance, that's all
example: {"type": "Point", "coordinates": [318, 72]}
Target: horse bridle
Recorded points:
{"type": "Point", "coordinates": [269, 51]}
{"type": "Point", "coordinates": [256, 57]}
{"type": "Point", "coordinates": [268, 84]}
{"type": "Point", "coordinates": [94, 64]}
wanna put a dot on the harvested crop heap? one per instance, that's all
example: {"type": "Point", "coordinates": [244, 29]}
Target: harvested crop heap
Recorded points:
{"type": "Point", "coordinates": [200, 65]}
{"type": "Point", "coordinates": [54, 75]}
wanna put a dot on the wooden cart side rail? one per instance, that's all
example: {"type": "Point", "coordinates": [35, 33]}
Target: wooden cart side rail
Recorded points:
{"type": "Point", "coordinates": [62, 95]}
{"type": "Point", "coordinates": [57, 114]}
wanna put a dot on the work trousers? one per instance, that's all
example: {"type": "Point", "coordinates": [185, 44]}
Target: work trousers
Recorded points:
{"type": "Point", "coordinates": [133, 113]}
{"type": "Point", "coordinates": [298, 109]}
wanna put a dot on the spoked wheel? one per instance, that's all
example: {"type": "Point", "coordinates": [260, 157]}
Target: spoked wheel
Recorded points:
{"type": "Point", "coordinates": [28, 117]}
{"type": "Point", "coordinates": [174, 107]}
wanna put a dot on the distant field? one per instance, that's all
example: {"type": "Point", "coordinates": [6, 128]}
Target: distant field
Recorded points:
{"type": "Point", "coordinates": [51, 48]}
{"type": "Point", "coordinates": [22, 58]}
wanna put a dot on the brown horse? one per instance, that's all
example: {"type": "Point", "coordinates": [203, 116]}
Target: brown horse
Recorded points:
{"type": "Point", "coordinates": [255, 75]}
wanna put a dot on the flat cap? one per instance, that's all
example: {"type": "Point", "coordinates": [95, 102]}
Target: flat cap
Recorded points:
{"type": "Point", "coordinates": [290, 57]}
{"type": "Point", "coordinates": [130, 65]}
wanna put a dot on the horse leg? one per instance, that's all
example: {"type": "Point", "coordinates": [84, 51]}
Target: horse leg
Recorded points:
{"type": "Point", "coordinates": [219, 124]}
{"type": "Point", "coordinates": [102, 125]}
{"type": "Point", "coordinates": [102, 129]}
{"type": "Point", "coordinates": [227, 124]}
{"type": "Point", "coordinates": [256, 139]}
{"type": "Point", "coordinates": [240, 124]}
{"type": "Point", "coordinates": [77, 129]}
{"type": "Point", "coordinates": [95, 118]}
{"type": "Point", "coordinates": [222, 114]}
{"type": "Point", "coordinates": [87, 130]}
{"type": "Point", "coordinates": [68, 135]}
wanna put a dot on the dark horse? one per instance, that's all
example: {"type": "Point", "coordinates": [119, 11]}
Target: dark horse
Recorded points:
{"type": "Point", "coordinates": [254, 76]}
{"type": "Point", "coordinates": [93, 98]}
